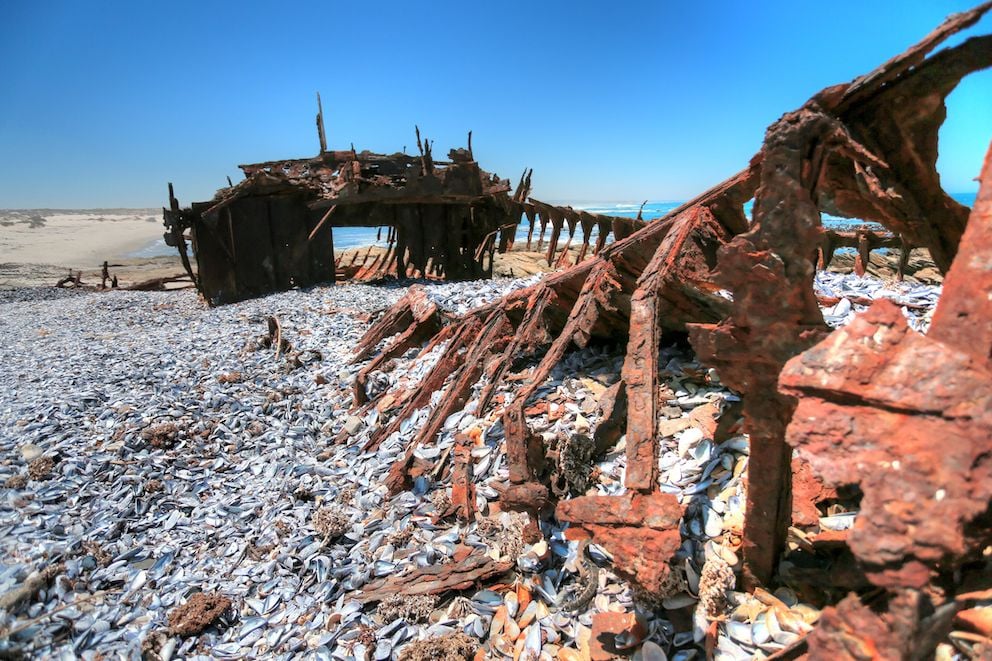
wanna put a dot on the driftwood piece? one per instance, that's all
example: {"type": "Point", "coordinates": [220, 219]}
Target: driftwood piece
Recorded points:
{"type": "Point", "coordinates": [173, 221]}
{"type": "Point", "coordinates": [159, 284]}
{"type": "Point", "coordinates": [476, 568]}
{"type": "Point", "coordinates": [275, 334]}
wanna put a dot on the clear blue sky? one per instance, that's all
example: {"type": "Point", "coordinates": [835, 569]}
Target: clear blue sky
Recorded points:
{"type": "Point", "coordinates": [104, 102]}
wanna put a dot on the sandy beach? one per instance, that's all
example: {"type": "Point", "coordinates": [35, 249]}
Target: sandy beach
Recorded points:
{"type": "Point", "coordinates": [78, 239]}
{"type": "Point", "coordinates": [39, 246]}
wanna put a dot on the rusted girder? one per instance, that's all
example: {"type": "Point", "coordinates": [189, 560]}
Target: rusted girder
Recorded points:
{"type": "Point", "coordinates": [775, 316]}
{"type": "Point", "coordinates": [560, 216]}
{"type": "Point", "coordinates": [742, 291]}
{"type": "Point", "coordinates": [907, 418]}
{"type": "Point", "coordinates": [864, 240]}
{"type": "Point", "coordinates": [414, 317]}
{"type": "Point", "coordinates": [458, 575]}
{"type": "Point", "coordinates": [813, 159]}
{"type": "Point", "coordinates": [640, 531]}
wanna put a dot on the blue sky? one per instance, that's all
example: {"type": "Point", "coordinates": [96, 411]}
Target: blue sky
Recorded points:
{"type": "Point", "coordinates": [105, 102]}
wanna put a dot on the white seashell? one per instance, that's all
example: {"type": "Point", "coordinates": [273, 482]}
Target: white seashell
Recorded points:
{"type": "Point", "coordinates": [786, 638]}
{"type": "Point", "coordinates": [787, 596]}
{"type": "Point", "coordinates": [759, 630]}
{"type": "Point", "coordinates": [714, 523]}
{"type": "Point", "coordinates": [510, 601]}
{"type": "Point", "coordinates": [728, 650]}
{"type": "Point", "coordinates": [528, 614]}
{"type": "Point", "coordinates": [532, 640]}
{"type": "Point", "coordinates": [687, 439]}
{"type": "Point", "coordinates": [740, 631]}
{"type": "Point", "coordinates": [843, 521]}
{"type": "Point", "coordinates": [650, 651]}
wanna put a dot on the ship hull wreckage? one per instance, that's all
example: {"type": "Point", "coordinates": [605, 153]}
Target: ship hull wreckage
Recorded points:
{"type": "Point", "coordinates": [274, 230]}
{"type": "Point", "coordinates": [900, 418]}
{"type": "Point", "coordinates": [444, 219]}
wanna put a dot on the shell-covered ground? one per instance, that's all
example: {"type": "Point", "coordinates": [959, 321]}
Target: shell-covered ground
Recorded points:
{"type": "Point", "coordinates": [155, 453]}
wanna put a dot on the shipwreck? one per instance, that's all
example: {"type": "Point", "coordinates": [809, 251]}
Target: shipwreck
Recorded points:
{"type": "Point", "coordinates": [444, 220]}
{"type": "Point", "coordinates": [900, 420]}
{"type": "Point", "coordinates": [819, 406]}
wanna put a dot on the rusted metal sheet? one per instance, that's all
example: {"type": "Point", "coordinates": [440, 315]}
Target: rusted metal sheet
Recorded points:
{"type": "Point", "coordinates": [462, 485]}
{"type": "Point", "coordinates": [845, 151]}
{"type": "Point", "coordinates": [640, 531]}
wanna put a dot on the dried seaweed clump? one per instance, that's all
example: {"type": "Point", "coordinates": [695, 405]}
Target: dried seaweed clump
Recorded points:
{"type": "Point", "coordinates": [41, 468]}
{"type": "Point", "coordinates": [199, 612]}
{"type": "Point", "coordinates": [162, 435]}
{"type": "Point", "coordinates": [571, 476]}
{"type": "Point", "coordinates": [715, 580]}
{"type": "Point", "coordinates": [460, 607]}
{"type": "Point", "coordinates": [400, 538]}
{"type": "Point", "coordinates": [18, 481]}
{"type": "Point", "coordinates": [504, 533]}
{"type": "Point", "coordinates": [367, 635]}
{"type": "Point", "coordinates": [331, 522]}
{"type": "Point", "coordinates": [451, 647]}
{"type": "Point", "coordinates": [151, 646]}
{"type": "Point", "coordinates": [93, 548]}
{"type": "Point", "coordinates": [230, 377]}
{"type": "Point", "coordinates": [440, 500]}
{"type": "Point", "coordinates": [416, 608]}
{"type": "Point", "coordinates": [30, 587]}
{"type": "Point", "coordinates": [346, 495]}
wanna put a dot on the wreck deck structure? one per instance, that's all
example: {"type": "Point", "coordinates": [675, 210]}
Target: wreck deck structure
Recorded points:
{"type": "Point", "coordinates": [274, 230]}
{"type": "Point", "coordinates": [444, 220]}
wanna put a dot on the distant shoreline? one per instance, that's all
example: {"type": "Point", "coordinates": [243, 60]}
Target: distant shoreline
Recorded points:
{"type": "Point", "coordinates": [39, 246]}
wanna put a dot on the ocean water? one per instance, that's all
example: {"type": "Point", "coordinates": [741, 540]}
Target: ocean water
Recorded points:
{"type": "Point", "coordinates": [354, 237]}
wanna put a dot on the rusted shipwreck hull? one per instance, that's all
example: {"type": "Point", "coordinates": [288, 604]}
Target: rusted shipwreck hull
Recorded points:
{"type": "Point", "coordinates": [274, 230]}
{"type": "Point", "coordinates": [444, 219]}
{"type": "Point", "coordinates": [872, 395]}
